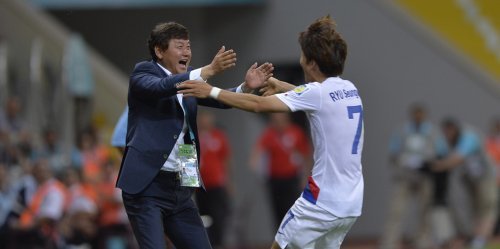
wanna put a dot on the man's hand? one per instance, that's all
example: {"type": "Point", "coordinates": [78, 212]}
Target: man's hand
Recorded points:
{"type": "Point", "coordinates": [222, 60]}
{"type": "Point", "coordinates": [195, 88]}
{"type": "Point", "coordinates": [271, 87]}
{"type": "Point", "coordinates": [257, 76]}
{"type": "Point", "coordinates": [274, 86]}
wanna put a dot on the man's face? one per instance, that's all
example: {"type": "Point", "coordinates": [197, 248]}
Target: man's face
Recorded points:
{"type": "Point", "coordinates": [418, 116]}
{"type": "Point", "coordinates": [176, 57]}
{"type": "Point", "coordinates": [450, 133]}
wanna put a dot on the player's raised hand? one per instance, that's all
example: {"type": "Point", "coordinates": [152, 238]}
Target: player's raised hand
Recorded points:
{"type": "Point", "coordinates": [271, 87]}
{"type": "Point", "coordinates": [194, 88]}
{"type": "Point", "coordinates": [223, 60]}
{"type": "Point", "coordinates": [257, 76]}
{"type": "Point", "coordinates": [274, 86]}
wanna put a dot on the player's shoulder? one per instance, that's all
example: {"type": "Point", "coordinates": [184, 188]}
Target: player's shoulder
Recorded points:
{"type": "Point", "coordinates": [304, 88]}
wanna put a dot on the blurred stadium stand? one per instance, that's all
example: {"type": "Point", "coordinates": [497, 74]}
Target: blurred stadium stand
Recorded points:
{"type": "Point", "coordinates": [98, 4]}
{"type": "Point", "coordinates": [479, 20]}
{"type": "Point", "coordinates": [33, 52]}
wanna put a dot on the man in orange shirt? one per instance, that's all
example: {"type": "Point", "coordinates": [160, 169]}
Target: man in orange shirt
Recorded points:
{"type": "Point", "coordinates": [493, 149]}
{"type": "Point", "coordinates": [493, 144]}
{"type": "Point", "coordinates": [214, 201]}
{"type": "Point", "coordinates": [287, 150]}
{"type": "Point", "coordinates": [38, 222]}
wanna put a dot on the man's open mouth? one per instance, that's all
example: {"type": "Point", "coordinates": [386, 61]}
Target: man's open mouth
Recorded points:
{"type": "Point", "coordinates": [183, 62]}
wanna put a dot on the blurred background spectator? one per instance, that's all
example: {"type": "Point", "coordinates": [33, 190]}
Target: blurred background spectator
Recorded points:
{"type": "Point", "coordinates": [413, 144]}
{"type": "Point", "coordinates": [473, 171]}
{"type": "Point", "coordinates": [215, 202]}
{"type": "Point", "coordinates": [283, 150]}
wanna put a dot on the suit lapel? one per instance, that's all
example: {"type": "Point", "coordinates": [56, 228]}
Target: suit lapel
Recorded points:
{"type": "Point", "coordinates": [186, 101]}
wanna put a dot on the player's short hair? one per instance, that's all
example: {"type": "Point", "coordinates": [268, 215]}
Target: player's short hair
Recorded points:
{"type": "Point", "coordinates": [324, 45]}
{"type": "Point", "coordinates": [161, 35]}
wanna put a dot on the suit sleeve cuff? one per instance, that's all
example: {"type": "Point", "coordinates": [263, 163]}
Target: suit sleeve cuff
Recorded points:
{"type": "Point", "coordinates": [239, 89]}
{"type": "Point", "coordinates": [195, 75]}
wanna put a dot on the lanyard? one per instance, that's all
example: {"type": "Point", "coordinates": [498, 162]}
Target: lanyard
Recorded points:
{"type": "Point", "coordinates": [186, 117]}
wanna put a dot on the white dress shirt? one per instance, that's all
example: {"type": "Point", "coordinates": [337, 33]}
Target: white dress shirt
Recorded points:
{"type": "Point", "coordinates": [171, 162]}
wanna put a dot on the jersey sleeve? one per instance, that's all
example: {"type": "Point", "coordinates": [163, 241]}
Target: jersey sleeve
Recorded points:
{"type": "Point", "coordinates": [302, 98]}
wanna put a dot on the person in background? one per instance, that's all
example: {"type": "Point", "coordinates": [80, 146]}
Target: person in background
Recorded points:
{"type": "Point", "coordinates": [7, 200]}
{"type": "Point", "coordinates": [493, 145]}
{"type": "Point", "coordinates": [15, 138]}
{"type": "Point", "coordinates": [38, 223]}
{"type": "Point", "coordinates": [120, 132]}
{"type": "Point", "coordinates": [93, 155]}
{"type": "Point", "coordinates": [79, 226]}
{"type": "Point", "coordinates": [474, 170]}
{"type": "Point", "coordinates": [411, 145]}
{"type": "Point", "coordinates": [493, 148]}
{"type": "Point", "coordinates": [115, 231]}
{"type": "Point", "coordinates": [288, 153]}
{"type": "Point", "coordinates": [11, 121]}
{"type": "Point", "coordinates": [52, 150]}
{"type": "Point", "coordinates": [214, 202]}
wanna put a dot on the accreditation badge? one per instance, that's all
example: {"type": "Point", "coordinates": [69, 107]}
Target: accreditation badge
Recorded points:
{"type": "Point", "coordinates": [188, 160]}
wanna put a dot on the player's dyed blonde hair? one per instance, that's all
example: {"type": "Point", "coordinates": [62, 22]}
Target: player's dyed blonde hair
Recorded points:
{"type": "Point", "coordinates": [324, 45]}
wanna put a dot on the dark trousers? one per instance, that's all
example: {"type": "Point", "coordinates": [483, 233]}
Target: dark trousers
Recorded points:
{"type": "Point", "coordinates": [214, 203]}
{"type": "Point", "coordinates": [166, 208]}
{"type": "Point", "coordinates": [284, 192]}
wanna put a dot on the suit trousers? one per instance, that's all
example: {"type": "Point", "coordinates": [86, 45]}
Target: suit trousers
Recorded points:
{"type": "Point", "coordinates": [166, 208]}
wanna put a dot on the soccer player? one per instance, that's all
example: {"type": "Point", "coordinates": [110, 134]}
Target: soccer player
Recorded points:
{"type": "Point", "coordinates": [332, 199]}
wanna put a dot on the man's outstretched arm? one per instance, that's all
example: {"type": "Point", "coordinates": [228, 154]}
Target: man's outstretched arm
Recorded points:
{"type": "Point", "coordinates": [243, 101]}
{"type": "Point", "coordinates": [223, 60]}
{"type": "Point", "coordinates": [273, 86]}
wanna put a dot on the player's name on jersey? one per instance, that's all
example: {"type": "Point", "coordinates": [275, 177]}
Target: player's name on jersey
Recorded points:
{"type": "Point", "coordinates": [343, 94]}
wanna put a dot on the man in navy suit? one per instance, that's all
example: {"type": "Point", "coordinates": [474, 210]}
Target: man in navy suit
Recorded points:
{"type": "Point", "coordinates": [160, 123]}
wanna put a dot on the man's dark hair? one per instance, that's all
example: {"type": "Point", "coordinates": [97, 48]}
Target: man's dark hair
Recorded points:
{"type": "Point", "coordinates": [324, 45]}
{"type": "Point", "coordinates": [453, 124]}
{"type": "Point", "coordinates": [417, 107]}
{"type": "Point", "coordinates": [161, 35]}
{"type": "Point", "coordinates": [450, 122]}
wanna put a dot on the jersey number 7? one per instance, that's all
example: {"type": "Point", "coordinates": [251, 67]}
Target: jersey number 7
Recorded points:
{"type": "Point", "coordinates": [350, 112]}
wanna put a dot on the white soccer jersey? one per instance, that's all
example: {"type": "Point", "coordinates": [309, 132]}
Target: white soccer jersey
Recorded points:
{"type": "Point", "coordinates": [335, 114]}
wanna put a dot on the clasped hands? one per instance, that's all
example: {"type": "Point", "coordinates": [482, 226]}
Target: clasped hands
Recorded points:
{"type": "Point", "coordinates": [256, 77]}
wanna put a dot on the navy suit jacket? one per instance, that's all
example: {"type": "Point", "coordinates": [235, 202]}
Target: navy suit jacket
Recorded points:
{"type": "Point", "coordinates": [154, 122]}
